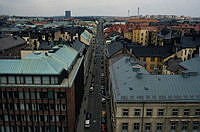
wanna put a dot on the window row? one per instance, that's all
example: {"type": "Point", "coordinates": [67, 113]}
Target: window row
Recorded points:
{"type": "Point", "coordinates": [50, 118]}
{"type": "Point", "coordinates": [160, 126]}
{"type": "Point", "coordinates": [32, 95]}
{"type": "Point", "coordinates": [32, 129]}
{"type": "Point", "coordinates": [37, 80]}
{"type": "Point", "coordinates": [161, 112]}
{"type": "Point", "coordinates": [33, 107]}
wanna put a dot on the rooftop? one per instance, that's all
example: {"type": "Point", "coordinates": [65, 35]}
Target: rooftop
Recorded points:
{"type": "Point", "coordinates": [131, 84]}
{"type": "Point", "coordinates": [113, 48]}
{"type": "Point", "coordinates": [10, 42]}
{"type": "Point", "coordinates": [41, 63]}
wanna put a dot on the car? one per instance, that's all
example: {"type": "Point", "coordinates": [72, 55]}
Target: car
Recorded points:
{"type": "Point", "coordinates": [87, 124]}
{"type": "Point", "coordinates": [103, 120]}
{"type": "Point", "coordinates": [102, 87]}
{"type": "Point", "coordinates": [103, 113]}
{"type": "Point", "coordinates": [91, 89]}
{"type": "Point", "coordinates": [103, 92]}
{"type": "Point", "coordinates": [102, 74]}
{"type": "Point", "coordinates": [103, 100]}
{"type": "Point", "coordinates": [103, 128]}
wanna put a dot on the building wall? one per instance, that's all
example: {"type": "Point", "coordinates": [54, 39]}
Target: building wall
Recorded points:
{"type": "Point", "coordinates": [141, 36]}
{"type": "Point", "coordinates": [12, 52]}
{"type": "Point", "coordinates": [128, 35]}
{"type": "Point", "coordinates": [25, 108]}
{"type": "Point", "coordinates": [166, 119]}
{"type": "Point", "coordinates": [63, 36]}
{"type": "Point", "coordinates": [153, 62]}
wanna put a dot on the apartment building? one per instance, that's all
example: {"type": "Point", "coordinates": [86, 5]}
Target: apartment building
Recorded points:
{"type": "Point", "coordinates": [11, 46]}
{"type": "Point", "coordinates": [41, 92]}
{"type": "Point", "coordinates": [142, 102]}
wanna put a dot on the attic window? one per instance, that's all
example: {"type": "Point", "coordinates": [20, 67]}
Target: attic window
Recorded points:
{"type": "Point", "coordinates": [145, 88]}
{"type": "Point", "coordinates": [130, 88]}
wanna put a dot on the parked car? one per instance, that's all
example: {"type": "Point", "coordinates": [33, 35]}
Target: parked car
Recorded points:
{"type": "Point", "coordinates": [103, 120]}
{"type": "Point", "coordinates": [87, 124]}
{"type": "Point", "coordinates": [103, 100]}
{"type": "Point", "coordinates": [103, 128]}
{"type": "Point", "coordinates": [102, 87]}
{"type": "Point", "coordinates": [91, 89]}
{"type": "Point", "coordinates": [103, 113]}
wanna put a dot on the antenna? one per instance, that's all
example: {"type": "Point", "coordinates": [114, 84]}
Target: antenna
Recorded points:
{"type": "Point", "coordinates": [138, 11]}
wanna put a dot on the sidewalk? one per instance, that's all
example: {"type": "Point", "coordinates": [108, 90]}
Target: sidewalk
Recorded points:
{"type": "Point", "coordinates": [81, 118]}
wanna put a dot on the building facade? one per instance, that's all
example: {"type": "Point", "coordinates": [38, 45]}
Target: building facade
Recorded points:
{"type": "Point", "coordinates": [43, 92]}
{"type": "Point", "coordinates": [142, 102]}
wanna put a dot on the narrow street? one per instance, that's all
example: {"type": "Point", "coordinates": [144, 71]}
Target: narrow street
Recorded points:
{"type": "Point", "coordinates": [92, 103]}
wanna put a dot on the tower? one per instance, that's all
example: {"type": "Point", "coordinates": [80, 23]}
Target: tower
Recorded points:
{"type": "Point", "coordinates": [67, 14]}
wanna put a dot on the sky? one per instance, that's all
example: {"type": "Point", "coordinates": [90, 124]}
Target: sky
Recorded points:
{"type": "Point", "coordinates": [99, 7]}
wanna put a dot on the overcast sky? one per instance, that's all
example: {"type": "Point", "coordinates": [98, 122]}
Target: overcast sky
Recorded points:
{"type": "Point", "coordinates": [99, 7]}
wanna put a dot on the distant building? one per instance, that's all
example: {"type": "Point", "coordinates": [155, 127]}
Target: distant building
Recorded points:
{"type": "Point", "coordinates": [10, 47]}
{"type": "Point", "coordinates": [68, 14]}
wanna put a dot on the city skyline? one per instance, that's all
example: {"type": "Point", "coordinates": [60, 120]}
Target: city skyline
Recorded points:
{"type": "Point", "coordinates": [103, 8]}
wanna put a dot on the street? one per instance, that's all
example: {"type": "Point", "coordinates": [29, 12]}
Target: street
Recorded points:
{"type": "Point", "coordinates": [93, 104]}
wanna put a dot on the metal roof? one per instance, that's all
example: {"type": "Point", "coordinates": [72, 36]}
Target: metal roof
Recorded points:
{"type": "Point", "coordinates": [192, 65]}
{"type": "Point", "coordinates": [41, 63]}
{"type": "Point", "coordinates": [129, 85]}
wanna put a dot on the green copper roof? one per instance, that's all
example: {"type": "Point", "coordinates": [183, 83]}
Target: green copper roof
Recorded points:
{"type": "Point", "coordinates": [41, 63]}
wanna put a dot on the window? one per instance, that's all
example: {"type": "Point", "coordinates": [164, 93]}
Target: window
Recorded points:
{"type": "Point", "coordinates": [37, 79]}
{"type": "Point", "coordinates": [52, 107]}
{"type": "Point", "coordinates": [186, 112]}
{"type": "Point", "coordinates": [61, 118]}
{"type": "Point", "coordinates": [20, 79]}
{"type": "Point", "coordinates": [41, 107]}
{"type": "Point", "coordinates": [28, 80]}
{"type": "Point", "coordinates": [3, 80]}
{"type": "Point", "coordinates": [11, 79]}
{"type": "Point", "coordinates": [43, 95]}
{"type": "Point", "coordinates": [4, 94]}
{"type": "Point", "coordinates": [197, 112]}
{"type": "Point", "coordinates": [137, 112]}
{"type": "Point", "coordinates": [125, 112]}
{"type": "Point", "coordinates": [159, 126]}
{"type": "Point", "coordinates": [54, 80]}
{"type": "Point", "coordinates": [184, 125]}
{"type": "Point", "coordinates": [152, 59]}
{"type": "Point", "coordinates": [195, 125]}
{"type": "Point", "coordinates": [124, 126]}
{"type": "Point", "coordinates": [16, 94]}
{"type": "Point", "coordinates": [151, 66]}
{"type": "Point", "coordinates": [45, 80]}
{"type": "Point", "coordinates": [149, 112]}
{"type": "Point", "coordinates": [160, 112]}
{"type": "Point", "coordinates": [173, 125]}
{"type": "Point", "coordinates": [174, 112]}
{"type": "Point", "coordinates": [147, 126]}
{"type": "Point", "coordinates": [136, 126]}
{"type": "Point", "coordinates": [159, 59]}
{"type": "Point", "coordinates": [61, 94]}
{"type": "Point", "coordinates": [10, 94]}
{"type": "Point", "coordinates": [41, 117]}
{"type": "Point", "coordinates": [49, 118]}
